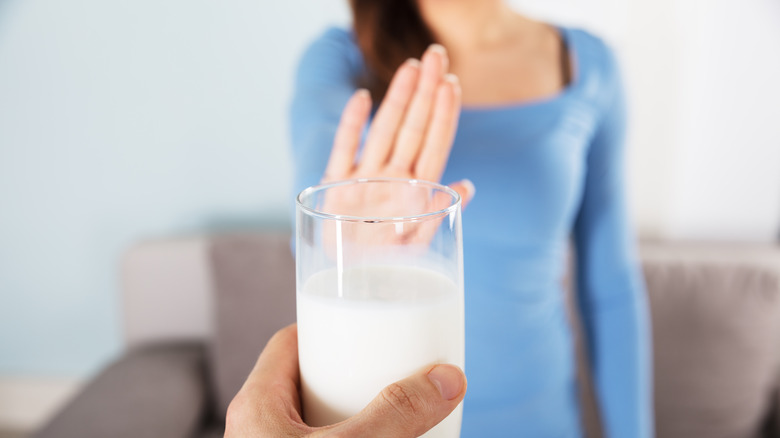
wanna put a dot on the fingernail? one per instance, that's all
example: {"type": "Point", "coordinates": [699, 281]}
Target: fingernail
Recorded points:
{"type": "Point", "coordinates": [413, 62]}
{"type": "Point", "coordinates": [363, 93]}
{"type": "Point", "coordinates": [448, 379]}
{"type": "Point", "coordinates": [470, 189]}
{"type": "Point", "coordinates": [438, 48]}
{"type": "Point", "coordinates": [451, 78]}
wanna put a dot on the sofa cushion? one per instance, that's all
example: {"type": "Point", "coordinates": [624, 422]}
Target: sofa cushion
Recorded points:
{"type": "Point", "coordinates": [212, 431]}
{"type": "Point", "coordinates": [254, 296]}
{"type": "Point", "coordinates": [715, 331]}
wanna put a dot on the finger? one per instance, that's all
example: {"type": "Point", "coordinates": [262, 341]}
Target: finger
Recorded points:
{"type": "Point", "coordinates": [269, 396]}
{"type": "Point", "coordinates": [441, 200]}
{"type": "Point", "coordinates": [415, 123]}
{"type": "Point", "coordinates": [441, 132]}
{"type": "Point", "coordinates": [410, 407]}
{"type": "Point", "coordinates": [278, 363]}
{"type": "Point", "coordinates": [388, 118]}
{"type": "Point", "coordinates": [466, 190]}
{"type": "Point", "coordinates": [347, 139]}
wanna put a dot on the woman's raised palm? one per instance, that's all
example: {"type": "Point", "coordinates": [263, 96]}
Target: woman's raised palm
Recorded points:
{"type": "Point", "coordinates": [410, 137]}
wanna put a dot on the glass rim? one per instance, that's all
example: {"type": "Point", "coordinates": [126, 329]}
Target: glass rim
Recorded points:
{"type": "Point", "coordinates": [453, 206]}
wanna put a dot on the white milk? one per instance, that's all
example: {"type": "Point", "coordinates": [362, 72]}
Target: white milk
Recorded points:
{"type": "Point", "coordinates": [352, 347]}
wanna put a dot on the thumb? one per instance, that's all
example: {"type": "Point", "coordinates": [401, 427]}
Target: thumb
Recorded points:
{"type": "Point", "coordinates": [465, 189]}
{"type": "Point", "coordinates": [410, 407]}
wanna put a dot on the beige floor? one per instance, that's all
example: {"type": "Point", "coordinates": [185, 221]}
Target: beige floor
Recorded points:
{"type": "Point", "coordinates": [27, 402]}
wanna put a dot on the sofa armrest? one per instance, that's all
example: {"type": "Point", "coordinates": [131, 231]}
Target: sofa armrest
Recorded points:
{"type": "Point", "coordinates": [152, 391]}
{"type": "Point", "coordinates": [166, 291]}
{"type": "Point", "coordinates": [771, 428]}
{"type": "Point", "coordinates": [715, 324]}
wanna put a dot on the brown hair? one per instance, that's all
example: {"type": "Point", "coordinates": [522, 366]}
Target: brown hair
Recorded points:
{"type": "Point", "coordinates": [388, 32]}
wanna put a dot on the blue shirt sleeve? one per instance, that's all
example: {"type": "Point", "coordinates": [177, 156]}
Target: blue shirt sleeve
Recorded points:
{"type": "Point", "coordinates": [611, 292]}
{"type": "Point", "coordinates": [324, 82]}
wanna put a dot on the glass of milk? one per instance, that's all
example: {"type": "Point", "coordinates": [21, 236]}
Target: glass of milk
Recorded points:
{"type": "Point", "coordinates": [379, 266]}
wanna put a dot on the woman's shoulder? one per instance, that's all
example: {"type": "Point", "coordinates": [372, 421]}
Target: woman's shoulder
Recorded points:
{"type": "Point", "coordinates": [598, 73]}
{"type": "Point", "coordinates": [589, 46]}
{"type": "Point", "coordinates": [333, 50]}
{"type": "Point", "coordinates": [336, 36]}
{"type": "Point", "coordinates": [334, 41]}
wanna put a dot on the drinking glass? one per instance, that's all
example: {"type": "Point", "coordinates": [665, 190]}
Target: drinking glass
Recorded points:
{"type": "Point", "coordinates": [379, 266]}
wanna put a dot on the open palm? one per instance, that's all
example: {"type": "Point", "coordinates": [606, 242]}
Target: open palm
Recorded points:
{"type": "Point", "coordinates": [410, 137]}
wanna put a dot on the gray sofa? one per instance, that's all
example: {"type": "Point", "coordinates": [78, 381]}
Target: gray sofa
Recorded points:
{"type": "Point", "coordinates": [197, 311]}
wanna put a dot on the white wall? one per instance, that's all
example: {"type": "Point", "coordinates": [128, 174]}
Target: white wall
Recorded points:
{"type": "Point", "coordinates": [728, 169]}
{"type": "Point", "coordinates": [702, 81]}
{"type": "Point", "coordinates": [120, 120]}
{"type": "Point", "coordinates": [126, 119]}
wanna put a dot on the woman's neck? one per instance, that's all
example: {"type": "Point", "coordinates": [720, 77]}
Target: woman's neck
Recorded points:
{"type": "Point", "coordinates": [465, 25]}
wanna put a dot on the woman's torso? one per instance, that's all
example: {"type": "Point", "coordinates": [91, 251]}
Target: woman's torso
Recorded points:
{"type": "Point", "coordinates": [528, 162]}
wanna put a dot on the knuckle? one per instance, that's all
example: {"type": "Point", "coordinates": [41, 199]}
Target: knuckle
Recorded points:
{"type": "Point", "coordinates": [383, 131]}
{"type": "Point", "coordinates": [424, 169]}
{"type": "Point", "coordinates": [428, 90]}
{"type": "Point", "coordinates": [406, 402]}
{"type": "Point", "coordinates": [332, 433]}
{"type": "Point", "coordinates": [397, 102]}
{"type": "Point", "coordinates": [352, 121]}
{"type": "Point", "coordinates": [397, 167]}
{"type": "Point", "coordinates": [415, 127]}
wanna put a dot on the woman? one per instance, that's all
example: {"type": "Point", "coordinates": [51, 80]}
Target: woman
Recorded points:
{"type": "Point", "coordinates": [540, 134]}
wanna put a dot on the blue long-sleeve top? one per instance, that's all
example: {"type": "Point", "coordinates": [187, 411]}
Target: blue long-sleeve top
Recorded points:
{"type": "Point", "coordinates": [544, 170]}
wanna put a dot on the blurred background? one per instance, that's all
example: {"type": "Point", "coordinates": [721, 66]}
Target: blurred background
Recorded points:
{"type": "Point", "coordinates": [123, 120]}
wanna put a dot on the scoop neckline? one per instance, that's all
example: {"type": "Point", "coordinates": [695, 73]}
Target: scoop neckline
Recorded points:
{"type": "Point", "coordinates": [564, 93]}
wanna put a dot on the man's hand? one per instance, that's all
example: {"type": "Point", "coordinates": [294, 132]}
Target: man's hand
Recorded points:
{"type": "Point", "coordinates": [268, 405]}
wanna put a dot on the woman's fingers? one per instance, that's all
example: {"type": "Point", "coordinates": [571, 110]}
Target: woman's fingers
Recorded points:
{"type": "Point", "coordinates": [388, 118]}
{"type": "Point", "coordinates": [347, 140]}
{"type": "Point", "coordinates": [466, 190]}
{"type": "Point", "coordinates": [415, 123]}
{"type": "Point", "coordinates": [413, 130]}
{"type": "Point", "coordinates": [441, 132]}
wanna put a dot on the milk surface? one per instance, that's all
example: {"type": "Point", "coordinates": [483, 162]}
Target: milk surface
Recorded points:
{"type": "Point", "coordinates": [352, 342]}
